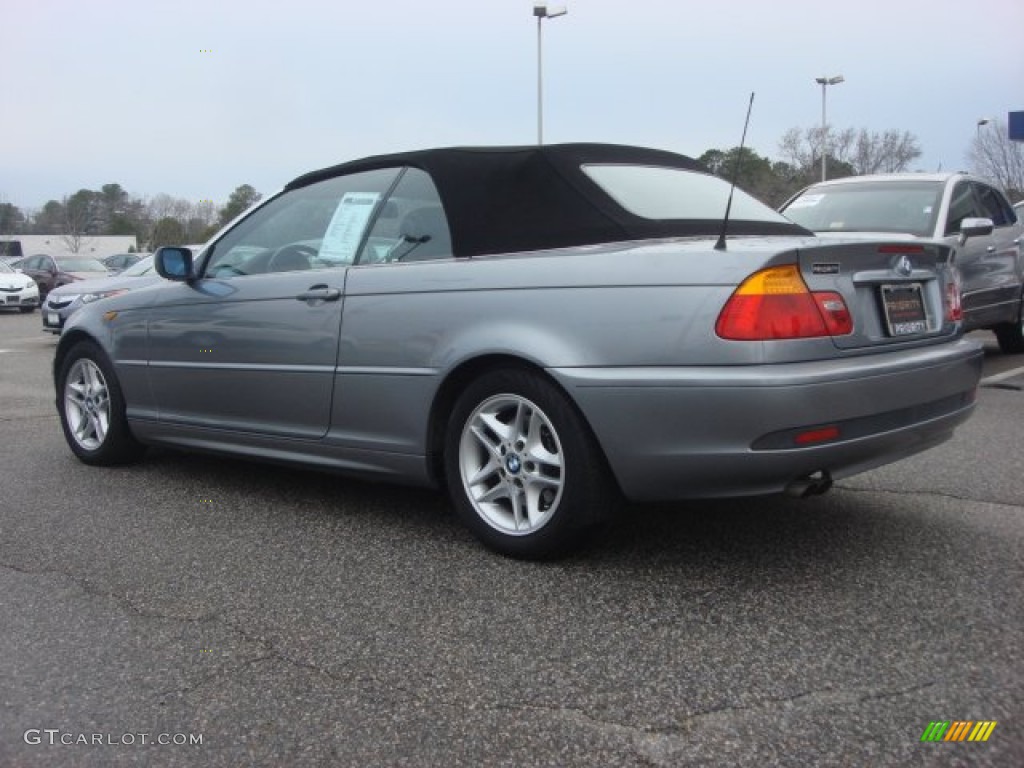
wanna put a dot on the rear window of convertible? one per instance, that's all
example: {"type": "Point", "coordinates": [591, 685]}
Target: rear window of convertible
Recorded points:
{"type": "Point", "coordinates": [654, 192]}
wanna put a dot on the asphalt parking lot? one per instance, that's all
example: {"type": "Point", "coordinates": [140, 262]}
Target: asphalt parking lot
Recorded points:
{"type": "Point", "coordinates": [283, 617]}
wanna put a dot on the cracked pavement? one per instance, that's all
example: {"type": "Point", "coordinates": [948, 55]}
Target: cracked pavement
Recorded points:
{"type": "Point", "coordinates": [293, 618]}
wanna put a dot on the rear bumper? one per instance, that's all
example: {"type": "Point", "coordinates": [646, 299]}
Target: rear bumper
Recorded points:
{"type": "Point", "coordinates": [693, 432]}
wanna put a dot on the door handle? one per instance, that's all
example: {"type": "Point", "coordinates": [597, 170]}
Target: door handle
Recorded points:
{"type": "Point", "coordinates": [319, 293]}
{"type": "Point", "coordinates": [991, 249]}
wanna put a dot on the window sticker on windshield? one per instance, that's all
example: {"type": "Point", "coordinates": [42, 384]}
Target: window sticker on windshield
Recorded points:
{"type": "Point", "coordinates": [807, 201]}
{"type": "Point", "coordinates": [347, 226]}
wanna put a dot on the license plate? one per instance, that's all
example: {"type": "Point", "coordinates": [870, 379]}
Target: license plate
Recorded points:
{"type": "Point", "coordinates": [904, 309]}
{"type": "Point", "coordinates": [52, 318]}
{"type": "Point", "coordinates": [12, 299]}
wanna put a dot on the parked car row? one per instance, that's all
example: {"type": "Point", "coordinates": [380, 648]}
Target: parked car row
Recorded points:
{"type": "Point", "coordinates": [50, 272]}
{"type": "Point", "coordinates": [61, 285]}
{"type": "Point", "coordinates": [536, 329]}
{"type": "Point", "coordinates": [963, 211]}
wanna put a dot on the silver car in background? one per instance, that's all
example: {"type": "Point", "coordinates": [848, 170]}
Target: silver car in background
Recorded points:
{"type": "Point", "coordinates": [65, 300]}
{"type": "Point", "coordinates": [966, 212]}
{"type": "Point", "coordinates": [536, 329]}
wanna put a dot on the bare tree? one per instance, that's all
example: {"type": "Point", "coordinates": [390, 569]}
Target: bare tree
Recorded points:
{"type": "Point", "coordinates": [887, 152]}
{"type": "Point", "coordinates": [77, 220]}
{"type": "Point", "coordinates": [995, 156]}
{"type": "Point", "coordinates": [861, 151]}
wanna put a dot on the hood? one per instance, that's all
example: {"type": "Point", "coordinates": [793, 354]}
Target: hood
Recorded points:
{"type": "Point", "coordinates": [85, 275]}
{"type": "Point", "coordinates": [15, 280]}
{"type": "Point", "coordinates": [100, 284]}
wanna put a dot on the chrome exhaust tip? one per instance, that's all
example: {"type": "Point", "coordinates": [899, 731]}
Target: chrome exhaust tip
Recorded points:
{"type": "Point", "coordinates": [813, 484]}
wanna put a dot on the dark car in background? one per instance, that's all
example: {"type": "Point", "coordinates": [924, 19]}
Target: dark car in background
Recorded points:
{"type": "Point", "coordinates": [50, 272]}
{"type": "Point", "coordinates": [969, 213]}
{"type": "Point", "coordinates": [537, 330]}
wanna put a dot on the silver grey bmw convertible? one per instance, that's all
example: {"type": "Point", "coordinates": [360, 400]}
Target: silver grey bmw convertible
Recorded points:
{"type": "Point", "coordinates": [539, 330]}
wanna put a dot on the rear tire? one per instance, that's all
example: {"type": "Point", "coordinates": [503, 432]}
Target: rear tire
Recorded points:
{"type": "Point", "coordinates": [1011, 335]}
{"type": "Point", "coordinates": [522, 467]}
{"type": "Point", "coordinates": [92, 409]}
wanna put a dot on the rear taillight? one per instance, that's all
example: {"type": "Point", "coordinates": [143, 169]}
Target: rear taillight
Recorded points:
{"type": "Point", "coordinates": [954, 309]}
{"type": "Point", "coordinates": [776, 303]}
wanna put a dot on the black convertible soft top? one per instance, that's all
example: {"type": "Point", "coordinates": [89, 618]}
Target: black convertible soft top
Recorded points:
{"type": "Point", "coordinates": [508, 199]}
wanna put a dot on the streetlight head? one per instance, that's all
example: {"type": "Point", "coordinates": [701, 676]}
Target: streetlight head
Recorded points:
{"type": "Point", "coordinates": [835, 80]}
{"type": "Point", "coordinates": [983, 121]}
{"type": "Point", "coordinates": [542, 11]}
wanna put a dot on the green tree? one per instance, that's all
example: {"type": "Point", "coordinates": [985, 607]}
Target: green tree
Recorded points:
{"type": "Point", "coordinates": [756, 174]}
{"type": "Point", "coordinates": [240, 200]}
{"type": "Point", "coordinates": [167, 231]}
{"type": "Point", "coordinates": [49, 219]}
{"type": "Point", "coordinates": [11, 219]}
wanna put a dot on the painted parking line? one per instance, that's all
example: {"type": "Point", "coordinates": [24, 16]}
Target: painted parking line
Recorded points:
{"type": "Point", "coordinates": [998, 377]}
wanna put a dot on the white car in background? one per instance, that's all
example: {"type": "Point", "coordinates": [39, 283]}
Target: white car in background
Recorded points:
{"type": "Point", "coordinates": [17, 290]}
{"type": "Point", "coordinates": [966, 212]}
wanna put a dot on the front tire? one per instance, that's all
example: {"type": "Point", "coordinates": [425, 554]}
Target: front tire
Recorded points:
{"type": "Point", "coordinates": [1011, 335]}
{"type": "Point", "coordinates": [92, 409]}
{"type": "Point", "coordinates": [523, 470]}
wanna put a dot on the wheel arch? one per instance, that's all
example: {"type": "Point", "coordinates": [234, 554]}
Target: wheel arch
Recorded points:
{"type": "Point", "coordinates": [67, 342]}
{"type": "Point", "coordinates": [462, 376]}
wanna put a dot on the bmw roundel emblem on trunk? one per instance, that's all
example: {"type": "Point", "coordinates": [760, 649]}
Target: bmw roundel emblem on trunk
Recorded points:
{"type": "Point", "coordinates": [903, 266]}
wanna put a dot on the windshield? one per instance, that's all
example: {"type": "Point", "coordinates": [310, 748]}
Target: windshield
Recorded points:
{"type": "Point", "coordinates": [674, 193]}
{"type": "Point", "coordinates": [142, 267]}
{"type": "Point", "coordinates": [4, 267]}
{"type": "Point", "coordinates": [82, 265]}
{"type": "Point", "coordinates": [909, 207]}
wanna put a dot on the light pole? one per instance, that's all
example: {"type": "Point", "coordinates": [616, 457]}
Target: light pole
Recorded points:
{"type": "Point", "coordinates": [541, 11]}
{"type": "Point", "coordinates": [824, 82]}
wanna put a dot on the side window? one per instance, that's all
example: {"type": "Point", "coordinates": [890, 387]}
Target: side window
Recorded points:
{"type": "Point", "coordinates": [412, 225]}
{"type": "Point", "coordinates": [995, 205]}
{"type": "Point", "coordinates": [962, 205]}
{"type": "Point", "coordinates": [318, 226]}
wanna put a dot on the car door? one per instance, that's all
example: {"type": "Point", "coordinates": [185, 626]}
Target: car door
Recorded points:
{"type": "Point", "coordinates": [43, 270]}
{"type": "Point", "coordinates": [250, 345]}
{"type": "Point", "coordinates": [977, 259]}
{"type": "Point", "coordinates": [1004, 253]}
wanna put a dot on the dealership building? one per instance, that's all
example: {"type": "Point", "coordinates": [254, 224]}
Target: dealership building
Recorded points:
{"type": "Point", "coordinates": [94, 246]}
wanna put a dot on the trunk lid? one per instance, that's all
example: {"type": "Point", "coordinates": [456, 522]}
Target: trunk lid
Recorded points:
{"type": "Point", "coordinates": [898, 292]}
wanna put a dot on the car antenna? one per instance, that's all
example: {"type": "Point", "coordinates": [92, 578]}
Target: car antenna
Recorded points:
{"type": "Point", "coordinates": [720, 245]}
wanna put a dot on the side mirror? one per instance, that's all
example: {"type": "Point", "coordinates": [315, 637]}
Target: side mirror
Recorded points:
{"type": "Point", "coordinates": [975, 228]}
{"type": "Point", "coordinates": [173, 263]}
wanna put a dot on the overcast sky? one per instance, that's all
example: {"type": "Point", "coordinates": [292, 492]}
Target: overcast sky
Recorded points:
{"type": "Point", "coordinates": [194, 98]}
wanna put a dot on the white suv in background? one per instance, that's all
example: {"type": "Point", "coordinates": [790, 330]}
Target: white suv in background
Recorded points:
{"type": "Point", "coordinates": [965, 211]}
